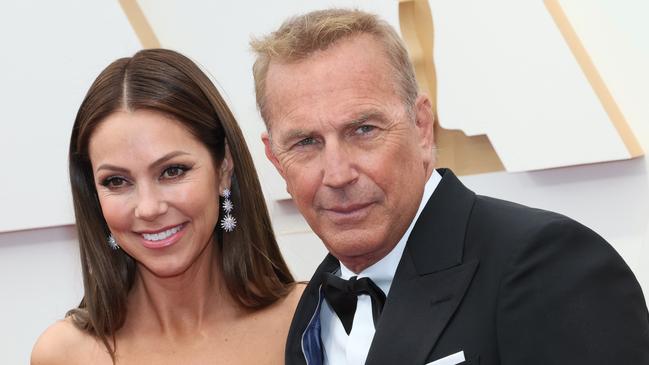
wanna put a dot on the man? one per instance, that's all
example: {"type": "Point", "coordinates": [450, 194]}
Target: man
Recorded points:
{"type": "Point", "coordinates": [468, 279]}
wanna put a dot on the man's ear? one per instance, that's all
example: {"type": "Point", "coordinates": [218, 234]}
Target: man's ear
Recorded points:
{"type": "Point", "coordinates": [425, 124]}
{"type": "Point", "coordinates": [268, 148]}
{"type": "Point", "coordinates": [226, 169]}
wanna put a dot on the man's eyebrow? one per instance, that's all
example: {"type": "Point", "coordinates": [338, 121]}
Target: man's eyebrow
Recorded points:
{"type": "Point", "coordinates": [364, 117]}
{"type": "Point", "coordinates": [293, 135]}
{"type": "Point", "coordinates": [296, 134]}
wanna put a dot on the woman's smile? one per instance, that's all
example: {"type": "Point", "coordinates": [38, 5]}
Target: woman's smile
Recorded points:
{"type": "Point", "coordinates": [164, 237]}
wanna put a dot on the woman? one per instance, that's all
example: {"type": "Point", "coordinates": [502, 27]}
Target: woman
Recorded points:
{"type": "Point", "coordinates": [180, 263]}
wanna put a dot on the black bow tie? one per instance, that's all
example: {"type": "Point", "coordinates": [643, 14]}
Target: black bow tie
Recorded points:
{"type": "Point", "coordinates": [342, 296]}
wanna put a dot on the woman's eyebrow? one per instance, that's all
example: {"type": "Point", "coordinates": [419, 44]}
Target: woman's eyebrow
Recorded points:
{"type": "Point", "coordinates": [155, 164]}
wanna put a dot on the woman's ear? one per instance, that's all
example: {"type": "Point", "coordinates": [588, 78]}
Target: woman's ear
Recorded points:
{"type": "Point", "coordinates": [226, 169]}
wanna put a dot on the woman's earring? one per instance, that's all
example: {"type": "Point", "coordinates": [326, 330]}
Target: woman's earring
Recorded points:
{"type": "Point", "coordinates": [227, 222]}
{"type": "Point", "coordinates": [112, 242]}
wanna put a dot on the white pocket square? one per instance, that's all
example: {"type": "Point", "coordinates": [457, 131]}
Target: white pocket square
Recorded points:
{"type": "Point", "coordinates": [454, 359]}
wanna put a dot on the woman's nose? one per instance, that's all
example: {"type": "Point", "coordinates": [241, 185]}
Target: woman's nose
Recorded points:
{"type": "Point", "coordinates": [150, 203]}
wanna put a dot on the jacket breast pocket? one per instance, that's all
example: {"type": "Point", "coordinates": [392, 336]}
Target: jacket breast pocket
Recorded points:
{"type": "Point", "coordinates": [474, 361]}
{"type": "Point", "coordinates": [446, 361]}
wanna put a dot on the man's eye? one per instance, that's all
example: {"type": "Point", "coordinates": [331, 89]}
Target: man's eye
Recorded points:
{"type": "Point", "coordinates": [174, 171]}
{"type": "Point", "coordinates": [114, 182]}
{"type": "Point", "coordinates": [306, 141]}
{"type": "Point", "coordinates": [364, 129]}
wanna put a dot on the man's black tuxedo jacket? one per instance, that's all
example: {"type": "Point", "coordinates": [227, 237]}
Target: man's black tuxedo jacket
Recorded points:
{"type": "Point", "coordinates": [504, 283]}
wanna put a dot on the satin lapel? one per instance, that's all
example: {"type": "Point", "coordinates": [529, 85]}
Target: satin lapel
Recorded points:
{"type": "Point", "coordinates": [305, 310]}
{"type": "Point", "coordinates": [415, 314]}
{"type": "Point", "coordinates": [430, 281]}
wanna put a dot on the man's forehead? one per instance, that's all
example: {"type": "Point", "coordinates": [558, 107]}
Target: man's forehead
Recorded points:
{"type": "Point", "coordinates": [331, 84]}
{"type": "Point", "coordinates": [290, 128]}
{"type": "Point", "coordinates": [360, 54]}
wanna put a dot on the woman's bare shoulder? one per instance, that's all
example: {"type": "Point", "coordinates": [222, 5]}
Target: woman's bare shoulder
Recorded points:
{"type": "Point", "coordinates": [288, 304]}
{"type": "Point", "coordinates": [293, 298]}
{"type": "Point", "coordinates": [63, 343]}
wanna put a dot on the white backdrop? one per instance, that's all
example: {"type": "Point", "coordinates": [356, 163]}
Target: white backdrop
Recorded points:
{"type": "Point", "coordinates": [52, 51]}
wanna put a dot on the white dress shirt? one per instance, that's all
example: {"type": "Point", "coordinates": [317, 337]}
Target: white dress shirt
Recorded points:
{"type": "Point", "coordinates": [340, 348]}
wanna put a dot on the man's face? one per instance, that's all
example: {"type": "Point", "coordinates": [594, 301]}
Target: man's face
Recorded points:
{"type": "Point", "coordinates": [354, 157]}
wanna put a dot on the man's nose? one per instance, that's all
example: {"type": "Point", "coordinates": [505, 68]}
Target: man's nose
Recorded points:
{"type": "Point", "coordinates": [338, 165]}
{"type": "Point", "coordinates": [150, 203]}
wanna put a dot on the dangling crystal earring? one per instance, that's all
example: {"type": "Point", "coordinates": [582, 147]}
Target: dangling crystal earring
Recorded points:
{"type": "Point", "coordinates": [112, 243]}
{"type": "Point", "coordinates": [227, 222]}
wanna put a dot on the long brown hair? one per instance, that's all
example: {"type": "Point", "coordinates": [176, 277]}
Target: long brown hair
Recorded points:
{"type": "Point", "coordinates": [168, 82]}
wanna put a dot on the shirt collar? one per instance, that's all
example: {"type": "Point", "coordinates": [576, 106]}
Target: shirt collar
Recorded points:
{"type": "Point", "coordinates": [383, 271]}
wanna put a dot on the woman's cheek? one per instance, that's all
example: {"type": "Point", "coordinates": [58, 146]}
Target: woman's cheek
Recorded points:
{"type": "Point", "coordinates": [116, 212]}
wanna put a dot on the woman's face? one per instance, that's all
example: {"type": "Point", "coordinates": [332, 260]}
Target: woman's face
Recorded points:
{"type": "Point", "coordinates": [158, 187]}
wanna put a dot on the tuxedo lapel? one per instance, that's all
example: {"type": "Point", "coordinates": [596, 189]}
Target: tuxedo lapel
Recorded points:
{"type": "Point", "coordinates": [305, 311]}
{"type": "Point", "coordinates": [413, 320]}
{"type": "Point", "coordinates": [430, 281]}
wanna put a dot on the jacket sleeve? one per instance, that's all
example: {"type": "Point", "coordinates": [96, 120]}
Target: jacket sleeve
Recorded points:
{"type": "Point", "coordinates": [568, 298]}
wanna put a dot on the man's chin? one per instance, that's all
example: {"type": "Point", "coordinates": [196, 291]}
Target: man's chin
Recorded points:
{"type": "Point", "coordinates": [357, 257]}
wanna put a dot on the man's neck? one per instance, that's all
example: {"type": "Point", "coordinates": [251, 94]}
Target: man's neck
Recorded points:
{"type": "Point", "coordinates": [362, 263]}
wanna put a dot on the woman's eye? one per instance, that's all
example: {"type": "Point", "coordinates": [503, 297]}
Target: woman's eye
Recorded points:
{"type": "Point", "coordinates": [114, 182]}
{"type": "Point", "coordinates": [174, 171]}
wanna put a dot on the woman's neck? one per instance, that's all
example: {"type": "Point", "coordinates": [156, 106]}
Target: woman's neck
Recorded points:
{"type": "Point", "coordinates": [184, 304]}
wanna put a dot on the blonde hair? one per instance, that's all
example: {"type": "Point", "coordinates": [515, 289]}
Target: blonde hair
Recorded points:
{"type": "Point", "coordinates": [301, 36]}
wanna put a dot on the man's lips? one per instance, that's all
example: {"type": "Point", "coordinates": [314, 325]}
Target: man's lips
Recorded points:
{"type": "Point", "coordinates": [349, 208]}
{"type": "Point", "coordinates": [348, 213]}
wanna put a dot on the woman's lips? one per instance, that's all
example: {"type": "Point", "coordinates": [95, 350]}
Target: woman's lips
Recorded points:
{"type": "Point", "coordinates": [162, 238]}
